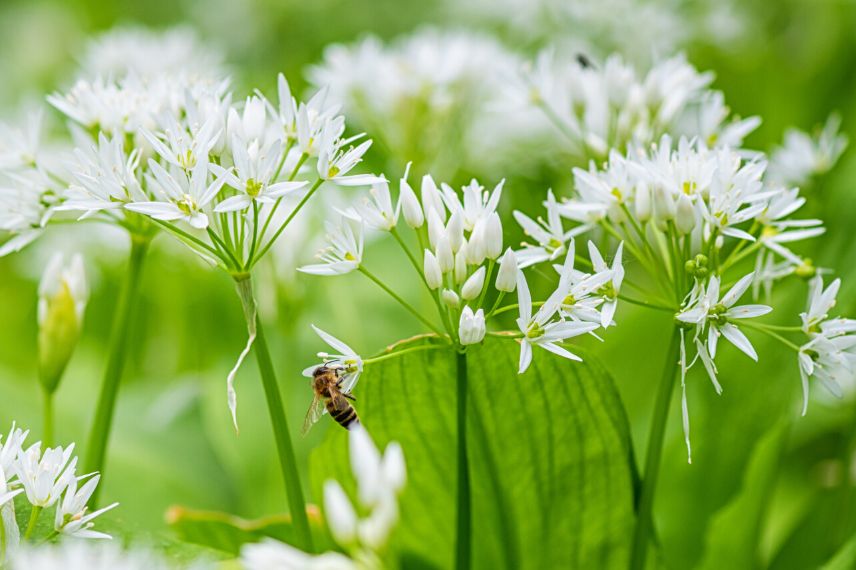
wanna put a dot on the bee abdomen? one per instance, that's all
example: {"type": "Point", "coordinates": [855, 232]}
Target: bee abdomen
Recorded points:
{"type": "Point", "coordinates": [345, 416]}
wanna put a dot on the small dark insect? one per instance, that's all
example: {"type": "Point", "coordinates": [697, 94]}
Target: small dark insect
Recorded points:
{"type": "Point", "coordinates": [328, 395]}
{"type": "Point", "coordinates": [585, 62]}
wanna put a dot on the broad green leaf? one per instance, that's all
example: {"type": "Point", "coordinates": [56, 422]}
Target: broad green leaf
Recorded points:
{"type": "Point", "coordinates": [844, 559]}
{"type": "Point", "coordinates": [228, 533]}
{"type": "Point", "coordinates": [735, 532]}
{"type": "Point", "coordinates": [549, 457]}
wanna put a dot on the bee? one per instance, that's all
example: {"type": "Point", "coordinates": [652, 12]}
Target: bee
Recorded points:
{"type": "Point", "coordinates": [329, 396]}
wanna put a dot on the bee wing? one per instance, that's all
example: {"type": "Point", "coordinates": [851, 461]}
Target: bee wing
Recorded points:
{"type": "Point", "coordinates": [316, 410]}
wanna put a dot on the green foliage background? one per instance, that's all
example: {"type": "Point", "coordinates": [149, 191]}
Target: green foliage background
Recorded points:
{"type": "Point", "coordinates": [767, 488]}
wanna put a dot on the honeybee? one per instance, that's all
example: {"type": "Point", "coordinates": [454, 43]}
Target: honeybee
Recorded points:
{"type": "Point", "coordinates": [329, 396]}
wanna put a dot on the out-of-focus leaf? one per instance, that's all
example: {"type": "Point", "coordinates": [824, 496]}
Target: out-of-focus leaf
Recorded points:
{"type": "Point", "coordinates": [228, 533]}
{"type": "Point", "coordinates": [734, 533]}
{"type": "Point", "coordinates": [549, 457]}
{"type": "Point", "coordinates": [844, 559]}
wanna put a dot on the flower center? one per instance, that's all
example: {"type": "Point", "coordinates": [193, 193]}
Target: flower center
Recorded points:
{"type": "Point", "coordinates": [534, 330]}
{"type": "Point", "coordinates": [186, 204]}
{"type": "Point", "coordinates": [254, 188]}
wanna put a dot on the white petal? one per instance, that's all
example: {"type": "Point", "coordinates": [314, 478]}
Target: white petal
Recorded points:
{"type": "Point", "coordinates": [738, 339]}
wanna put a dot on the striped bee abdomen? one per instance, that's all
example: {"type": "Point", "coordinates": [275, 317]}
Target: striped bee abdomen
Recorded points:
{"type": "Point", "coordinates": [343, 412]}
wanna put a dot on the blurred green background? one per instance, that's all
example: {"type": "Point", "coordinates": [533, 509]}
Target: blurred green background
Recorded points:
{"type": "Point", "coordinates": [792, 62]}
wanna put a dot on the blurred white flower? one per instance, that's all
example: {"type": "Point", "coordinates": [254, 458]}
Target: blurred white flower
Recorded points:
{"type": "Point", "coordinates": [72, 518]}
{"type": "Point", "coordinates": [271, 554]}
{"type": "Point", "coordinates": [802, 155]}
{"type": "Point", "coordinates": [345, 252]}
{"type": "Point", "coordinates": [84, 555]}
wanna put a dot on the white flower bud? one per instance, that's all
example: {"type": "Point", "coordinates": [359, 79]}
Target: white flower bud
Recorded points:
{"type": "Point", "coordinates": [455, 231]}
{"type": "Point", "coordinates": [431, 199]}
{"type": "Point", "coordinates": [476, 245]}
{"type": "Point", "coordinates": [685, 219]}
{"type": "Point", "coordinates": [493, 236]}
{"type": "Point", "coordinates": [435, 226]}
{"type": "Point", "coordinates": [461, 265]}
{"type": "Point", "coordinates": [471, 329]}
{"type": "Point", "coordinates": [506, 277]}
{"type": "Point", "coordinates": [451, 298]}
{"type": "Point", "coordinates": [62, 299]}
{"type": "Point", "coordinates": [664, 205]}
{"type": "Point", "coordinates": [340, 514]}
{"type": "Point", "coordinates": [643, 202]}
{"type": "Point", "coordinates": [393, 467]}
{"type": "Point", "coordinates": [444, 253]}
{"type": "Point", "coordinates": [719, 242]}
{"type": "Point", "coordinates": [473, 287]}
{"type": "Point", "coordinates": [433, 275]}
{"type": "Point", "coordinates": [409, 205]}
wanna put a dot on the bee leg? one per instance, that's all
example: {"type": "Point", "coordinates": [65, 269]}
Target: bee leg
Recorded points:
{"type": "Point", "coordinates": [350, 397]}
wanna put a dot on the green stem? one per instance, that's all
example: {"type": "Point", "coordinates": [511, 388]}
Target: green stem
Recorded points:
{"type": "Point", "coordinates": [398, 353]}
{"type": "Point", "coordinates": [464, 519]}
{"type": "Point", "coordinates": [117, 352]}
{"type": "Point", "coordinates": [284, 447]}
{"type": "Point", "coordinates": [285, 223]}
{"type": "Point", "coordinates": [647, 304]}
{"type": "Point", "coordinates": [401, 301]}
{"type": "Point", "coordinates": [644, 521]}
{"type": "Point", "coordinates": [47, 435]}
{"type": "Point", "coordinates": [34, 517]}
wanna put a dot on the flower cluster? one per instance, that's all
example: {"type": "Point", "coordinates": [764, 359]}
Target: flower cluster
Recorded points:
{"type": "Point", "coordinates": [47, 479]}
{"type": "Point", "coordinates": [691, 215]}
{"type": "Point", "coordinates": [79, 555]}
{"type": "Point", "coordinates": [364, 537]}
{"type": "Point", "coordinates": [463, 253]}
{"type": "Point", "coordinates": [599, 109]}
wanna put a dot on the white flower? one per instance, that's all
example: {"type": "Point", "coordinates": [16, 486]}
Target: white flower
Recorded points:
{"type": "Point", "coordinates": [550, 235]}
{"type": "Point", "coordinates": [60, 279]}
{"type": "Point", "coordinates": [270, 554]}
{"type": "Point", "coordinates": [180, 148]}
{"type": "Point", "coordinates": [540, 330]}
{"type": "Point", "coordinates": [450, 298]}
{"type": "Point", "coordinates": [581, 299]}
{"type": "Point", "coordinates": [71, 516]}
{"type": "Point", "coordinates": [345, 252]}
{"type": "Point", "coordinates": [506, 276]}
{"type": "Point", "coordinates": [610, 290]}
{"type": "Point", "coordinates": [350, 362]}
{"type": "Point", "coordinates": [803, 156]}
{"type": "Point", "coordinates": [816, 319]}
{"type": "Point", "coordinates": [378, 212]}
{"type": "Point", "coordinates": [21, 144]}
{"type": "Point", "coordinates": [45, 477]}
{"type": "Point", "coordinates": [334, 163]}
{"type": "Point", "coordinates": [253, 177]}
{"type": "Point", "coordinates": [832, 361]}
{"type": "Point", "coordinates": [706, 308]}
{"type": "Point", "coordinates": [11, 449]}
{"type": "Point", "coordinates": [471, 329]}
{"type": "Point", "coordinates": [85, 555]}
{"type": "Point", "coordinates": [180, 198]}
{"type": "Point", "coordinates": [473, 286]}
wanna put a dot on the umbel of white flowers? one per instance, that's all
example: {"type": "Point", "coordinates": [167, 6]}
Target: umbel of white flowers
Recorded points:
{"type": "Point", "coordinates": [463, 252]}
{"type": "Point", "coordinates": [363, 529]}
{"type": "Point", "coordinates": [46, 479]}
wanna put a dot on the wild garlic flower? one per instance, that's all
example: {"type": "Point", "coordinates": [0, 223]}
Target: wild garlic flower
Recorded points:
{"type": "Point", "coordinates": [362, 528]}
{"type": "Point", "coordinates": [586, 294]}
{"type": "Point", "coordinates": [345, 252]}
{"type": "Point", "coordinates": [349, 362]}
{"type": "Point", "coordinates": [471, 328]}
{"type": "Point", "coordinates": [803, 156]}
{"type": "Point", "coordinates": [63, 294]}
{"type": "Point", "coordinates": [545, 328]}
{"type": "Point", "coordinates": [602, 107]}
{"type": "Point", "coordinates": [46, 478]}
{"type": "Point", "coordinates": [85, 555]}
{"type": "Point", "coordinates": [549, 234]}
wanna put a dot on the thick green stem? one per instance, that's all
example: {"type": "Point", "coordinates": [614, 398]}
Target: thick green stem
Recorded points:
{"type": "Point", "coordinates": [117, 351]}
{"type": "Point", "coordinates": [284, 447]}
{"type": "Point", "coordinates": [47, 435]}
{"type": "Point", "coordinates": [464, 519]}
{"type": "Point", "coordinates": [644, 519]}
{"type": "Point", "coordinates": [34, 518]}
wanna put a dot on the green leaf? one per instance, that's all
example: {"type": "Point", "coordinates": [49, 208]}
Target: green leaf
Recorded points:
{"type": "Point", "coordinates": [228, 533]}
{"type": "Point", "coordinates": [735, 531]}
{"type": "Point", "coordinates": [549, 462]}
{"type": "Point", "coordinates": [844, 559]}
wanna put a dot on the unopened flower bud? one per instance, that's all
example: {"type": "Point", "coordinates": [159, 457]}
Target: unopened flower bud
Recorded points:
{"type": "Point", "coordinates": [471, 329]}
{"type": "Point", "coordinates": [664, 205]}
{"type": "Point", "coordinates": [431, 199]}
{"type": "Point", "coordinates": [340, 514]}
{"type": "Point", "coordinates": [643, 202]}
{"type": "Point", "coordinates": [493, 236]}
{"type": "Point", "coordinates": [461, 265]}
{"type": "Point", "coordinates": [410, 207]}
{"type": "Point", "coordinates": [473, 287]}
{"type": "Point", "coordinates": [433, 275]}
{"type": "Point", "coordinates": [806, 269]}
{"type": "Point", "coordinates": [719, 242]}
{"type": "Point", "coordinates": [455, 230]}
{"type": "Point", "coordinates": [445, 257]}
{"type": "Point", "coordinates": [506, 277]}
{"type": "Point", "coordinates": [62, 300]}
{"type": "Point", "coordinates": [450, 298]}
{"type": "Point", "coordinates": [685, 218]}
{"type": "Point", "coordinates": [435, 226]}
{"type": "Point", "coordinates": [476, 245]}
